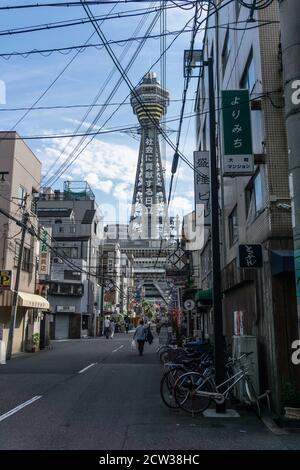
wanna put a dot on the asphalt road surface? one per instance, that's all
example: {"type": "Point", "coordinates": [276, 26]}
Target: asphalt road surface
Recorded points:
{"type": "Point", "coordinates": [100, 394]}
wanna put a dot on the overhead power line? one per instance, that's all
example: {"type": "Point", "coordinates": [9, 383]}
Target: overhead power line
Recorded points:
{"type": "Point", "coordinates": [58, 76]}
{"type": "Point", "coordinates": [80, 21]}
{"type": "Point", "coordinates": [82, 105]}
{"type": "Point", "coordinates": [78, 4]}
{"type": "Point", "coordinates": [129, 128]}
{"type": "Point", "coordinates": [72, 156]}
{"type": "Point", "coordinates": [121, 42]}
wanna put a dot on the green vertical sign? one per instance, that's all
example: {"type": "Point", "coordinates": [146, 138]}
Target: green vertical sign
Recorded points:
{"type": "Point", "coordinates": [237, 135]}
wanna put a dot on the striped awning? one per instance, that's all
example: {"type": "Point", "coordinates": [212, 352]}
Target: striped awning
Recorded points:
{"type": "Point", "coordinates": [25, 299]}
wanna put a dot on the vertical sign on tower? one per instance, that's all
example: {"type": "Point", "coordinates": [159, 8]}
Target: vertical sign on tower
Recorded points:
{"type": "Point", "coordinates": [149, 169]}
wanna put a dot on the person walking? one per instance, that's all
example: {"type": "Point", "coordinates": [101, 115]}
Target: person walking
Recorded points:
{"type": "Point", "coordinates": [140, 337]}
{"type": "Point", "coordinates": [112, 328]}
{"type": "Point", "coordinates": [149, 335]}
{"type": "Point", "coordinates": [106, 327]}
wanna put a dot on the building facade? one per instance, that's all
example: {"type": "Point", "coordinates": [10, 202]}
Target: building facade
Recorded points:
{"type": "Point", "coordinates": [255, 209]}
{"type": "Point", "coordinates": [77, 230]}
{"type": "Point", "coordinates": [19, 185]}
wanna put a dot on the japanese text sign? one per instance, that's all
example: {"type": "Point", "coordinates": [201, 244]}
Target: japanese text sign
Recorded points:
{"type": "Point", "coordinates": [250, 256]}
{"type": "Point", "coordinates": [44, 254]}
{"type": "Point", "coordinates": [238, 156]}
{"type": "Point", "coordinates": [202, 184]}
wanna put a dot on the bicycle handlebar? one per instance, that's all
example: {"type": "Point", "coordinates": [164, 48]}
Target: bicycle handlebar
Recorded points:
{"type": "Point", "coordinates": [246, 354]}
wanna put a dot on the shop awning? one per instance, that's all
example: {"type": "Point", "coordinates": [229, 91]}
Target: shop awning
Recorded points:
{"type": "Point", "coordinates": [203, 295]}
{"type": "Point", "coordinates": [32, 300]}
{"type": "Point", "coordinates": [282, 261]}
{"type": "Point", "coordinates": [25, 299]}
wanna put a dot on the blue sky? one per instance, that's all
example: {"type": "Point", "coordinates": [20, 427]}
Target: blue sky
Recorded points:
{"type": "Point", "coordinates": [109, 161]}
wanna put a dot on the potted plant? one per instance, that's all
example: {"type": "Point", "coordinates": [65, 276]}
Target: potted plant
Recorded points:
{"type": "Point", "coordinates": [291, 400]}
{"type": "Point", "coordinates": [35, 341]}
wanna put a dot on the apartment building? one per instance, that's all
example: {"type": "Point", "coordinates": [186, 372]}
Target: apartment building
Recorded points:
{"type": "Point", "coordinates": [77, 231]}
{"type": "Point", "coordinates": [255, 209]}
{"type": "Point", "coordinates": [111, 277]}
{"type": "Point", "coordinates": [19, 184]}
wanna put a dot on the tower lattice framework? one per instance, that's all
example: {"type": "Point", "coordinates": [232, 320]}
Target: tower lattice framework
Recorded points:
{"type": "Point", "coordinates": [149, 102]}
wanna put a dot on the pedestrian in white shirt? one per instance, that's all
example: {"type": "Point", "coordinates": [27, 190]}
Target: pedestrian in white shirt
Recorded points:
{"type": "Point", "coordinates": [106, 327]}
{"type": "Point", "coordinates": [112, 329]}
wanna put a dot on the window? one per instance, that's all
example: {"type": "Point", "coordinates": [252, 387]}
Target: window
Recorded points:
{"type": "Point", "coordinates": [59, 288]}
{"type": "Point", "coordinates": [26, 259]}
{"type": "Point", "coordinates": [22, 196]}
{"type": "Point", "coordinates": [72, 275]}
{"type": "Point", "coordinates": [60, 229]}
{"type": "Point", "coordinates": [233, 227]}
{"type": "Point", "coordinates": [64, 288]}
{"type": "Point", "coordinates": [254, 197]}
{"type": "Point", "coordinates": [58, 221]}
{"type": "Point", "coordinates": [248, 78]}
{"type": "Point", "coordinates": [225, 52]}
{"type": "Point", "coordinates": [77, 289]}
{"type": "Point", "coordinates": [85, 322]}
{"type": "Point", "coordinates": [67, 251]}
{"type": "Point", "coordinates": [72, 229]}
{"type": "Point", "coordinates": [34, 199]}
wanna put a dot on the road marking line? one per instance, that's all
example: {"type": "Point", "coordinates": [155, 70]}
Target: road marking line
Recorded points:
{"type": "Point", "coordinates": [20, 407]}
{"type": "Point", "coordinates": [86, 368]}
{"type": "Point", "coordinates": [120, 347]}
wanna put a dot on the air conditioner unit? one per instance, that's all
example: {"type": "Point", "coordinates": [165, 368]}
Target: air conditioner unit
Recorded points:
{"type": "Point", "coordinates": [57, 260]}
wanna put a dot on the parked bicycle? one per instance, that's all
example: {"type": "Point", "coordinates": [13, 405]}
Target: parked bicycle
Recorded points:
{"type": "Point", "coordinates": [194, 391]}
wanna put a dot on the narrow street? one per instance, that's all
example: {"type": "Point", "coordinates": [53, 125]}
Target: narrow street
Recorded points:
{"type": "Point", "coordinates": [99, 394]}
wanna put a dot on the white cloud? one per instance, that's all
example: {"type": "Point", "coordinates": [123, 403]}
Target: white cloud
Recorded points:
{"type": "Point", "coordinates": [102, 164]}
{"type": "Point", "coordinates": [123, 192]}
{"type": "Point", "coordinates": [181, 205]}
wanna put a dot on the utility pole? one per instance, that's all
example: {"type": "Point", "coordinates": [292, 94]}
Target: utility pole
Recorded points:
{"type": "Point", "coordinates": [290, 40]}
{"type": "Point", "coordinates": [215, 238]}
{"type": "Point", "coordinates": [14, 306]}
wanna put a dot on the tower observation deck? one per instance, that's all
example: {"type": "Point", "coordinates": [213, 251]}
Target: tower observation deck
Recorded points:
{"type": "Point", "coordinates": [149, 102]}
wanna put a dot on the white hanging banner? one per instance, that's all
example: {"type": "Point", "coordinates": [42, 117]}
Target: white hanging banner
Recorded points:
{"type": "Point", "coordinates": [202, 185]}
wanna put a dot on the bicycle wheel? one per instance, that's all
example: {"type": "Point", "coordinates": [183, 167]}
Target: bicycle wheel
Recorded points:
{"type": "Point", "coordinates": [251, 394]}
{"type": "Point", "coordinates": [167, 384]}
{"type": "Point", "coordinates": [164, 356]}
{"type": "Point", "coordinates": [160, 349]}
{"type": "Point", "coordinates": [187, 392]}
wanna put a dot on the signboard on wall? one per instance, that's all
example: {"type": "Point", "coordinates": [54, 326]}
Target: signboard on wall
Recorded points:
{"type": "Point", "coordinates": [5, 280]}
{"type": "Point", "coordinates": [202, 184]}
{"type": "Point", "coordinates": [238, 155]}
{"type": "Point", "coordinates": [44, 254]}
{"type": "Point", "coordinates": [250, 256]}
{"type": "Point", "coordinates": [65, 308]}
{"type": "Point", "coordinates": [238, 323]}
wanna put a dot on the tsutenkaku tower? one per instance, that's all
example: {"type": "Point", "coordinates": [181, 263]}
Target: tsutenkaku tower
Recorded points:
{"type": "Point", "coordinates": [149, 102]}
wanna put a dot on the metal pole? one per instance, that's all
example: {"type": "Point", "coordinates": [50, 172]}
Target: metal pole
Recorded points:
{"type": "Point", "coordinates": [214, 201]}
{"type": "Point", "coordinates": [14, 306]}
{"type": "Point", "coordinates": [290, 40]}
{"type": "Point", "coordinates": [102, 309]}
